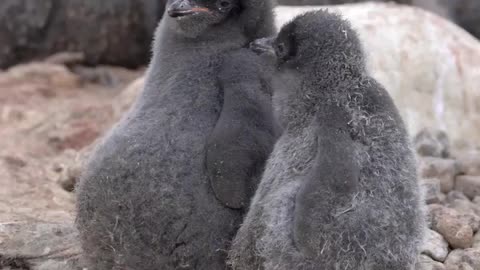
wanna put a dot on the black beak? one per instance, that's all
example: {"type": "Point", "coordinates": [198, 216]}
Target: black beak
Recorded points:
{"type": "Point", "coordinates": [263, 45]}
{"type": "Point", "coordinates": [180, 8]}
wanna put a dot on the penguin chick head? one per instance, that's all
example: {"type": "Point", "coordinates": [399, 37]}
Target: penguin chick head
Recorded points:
{"type": "Point", "coordinates": [318, 56]}
{"type": "Point", "coordinates": [193, 17]}
{"type": "Point", "coordinates": [312, 40]}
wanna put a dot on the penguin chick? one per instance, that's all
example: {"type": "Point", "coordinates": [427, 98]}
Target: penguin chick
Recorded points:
{"type": "Point", "coordinates": [245, 133]}
{"type": "Point", "coordinates": [340, 189]}
{"type": "Point", "coordinates": [145, 201]}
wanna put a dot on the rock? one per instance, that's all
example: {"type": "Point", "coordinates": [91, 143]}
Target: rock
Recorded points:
{"type": "Point", "coordinates": [469, 162]}
{"type": "Point", "coordinates": [39, 76]}
{"type": "Point", "coordinates": [470, 257]}
{"type": "Point", "coordinates": [39, 246]}
{"type": "Point", "coordinates": [432, 191]}
{"type": "Point", "coordinates": [122, 36]}
{"type": "Point", "coordinates": [469, 185]}
{"type": "Point", "coordinates": [463, 12]}
{"type": "Point", "coordinates": [442, 169]}
{"type": "Point", "coordinates": [426, 263]}
{"type": "Point", "coordinates": [435, 246]}
{"type": "Point", "coordinates": [432, 143]}
{"type": "Point", "coordinates": [454, 227]}
{"type": "Point", "coordinates": [431, 70]}
{"type": "Point", "coordinates": [476, 241]}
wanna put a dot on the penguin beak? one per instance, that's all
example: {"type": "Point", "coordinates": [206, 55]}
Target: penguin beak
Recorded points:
{"type": "Point", "coordinates": [181, 8]}
{"type": "Point", "coordinates": [263, 45]}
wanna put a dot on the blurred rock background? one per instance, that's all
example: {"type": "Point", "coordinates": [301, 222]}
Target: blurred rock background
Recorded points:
{"type": "Point", "coordinates": [73, 67]}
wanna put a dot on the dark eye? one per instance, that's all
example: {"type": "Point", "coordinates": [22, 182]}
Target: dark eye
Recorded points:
{"type": "Point", "coordinates": [281, 50]}
{"type": "Point", "coordinates": [224, 4]}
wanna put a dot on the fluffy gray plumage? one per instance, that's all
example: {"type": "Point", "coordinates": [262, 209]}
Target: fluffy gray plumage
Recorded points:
{"type": "Point", "coordinates": [245, 133]}
{"type": "Point", "coordinates": [145, 200]}
{"type": "Point", "coordinates": [340, 188]}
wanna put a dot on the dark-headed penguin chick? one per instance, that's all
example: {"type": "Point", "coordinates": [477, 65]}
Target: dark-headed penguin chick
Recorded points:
{"type": "Point", "coordinates": [145, 200]}
{"type": "Point", "coordinates": [339, 191]}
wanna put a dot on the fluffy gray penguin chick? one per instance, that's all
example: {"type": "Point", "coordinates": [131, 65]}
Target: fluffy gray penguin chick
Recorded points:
{"type": "Point", "coordinates": [339, 191]}
{"type": "Point", "coordinates": [145, 200]}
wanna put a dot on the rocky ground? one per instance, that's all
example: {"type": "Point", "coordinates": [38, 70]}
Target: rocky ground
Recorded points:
{"type": "Point", "coordinates": [51, 113]}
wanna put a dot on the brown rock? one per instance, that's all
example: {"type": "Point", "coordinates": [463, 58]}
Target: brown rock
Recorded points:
{"type": "Point", "coordinates": [454, 227]}
{"type": "Point", "coordinates": [442, 169]}
{"type": "Point", "coordinates": [470, 257]}
{"type": "Point", "coordinates": [469, 185]}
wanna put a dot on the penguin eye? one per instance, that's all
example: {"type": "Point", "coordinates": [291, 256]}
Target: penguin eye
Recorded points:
{"type": "Point", "coordinates": [224, 5]}
{"type": "Point", "coordinates": [281, 50]}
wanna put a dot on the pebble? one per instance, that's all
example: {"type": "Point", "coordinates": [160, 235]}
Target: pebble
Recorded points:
{"type": "Point", "coordinates": [432, 143]}
{"type": "Point", "coordinates": [453, 226]}
{"type": "Point", "coordinates": [469, 185]}
{"type": "Point", "coordinates": [432, 191]}
{"type": "Point", "coordinates": [463, 258]}
{"type": "Point", "coordinates": [435, 246]}
{"type": "Point", "coordinates": [443, 169]}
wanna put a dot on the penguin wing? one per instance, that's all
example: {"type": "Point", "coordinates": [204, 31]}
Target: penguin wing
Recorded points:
{"type": "Point", "coordinates": [240, 143]}
{"type": "Point", "coordinates": [326, 196]}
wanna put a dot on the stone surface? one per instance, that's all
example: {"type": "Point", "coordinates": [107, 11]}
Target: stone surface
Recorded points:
{"type": "Point", "coordinates": [40, 246]}
{"type": "Point", "coordinates": [469, 185]}
{"type": "Point", "coordinates": [432, 190]}
{"type": "Point", "coordinates": [427, 263]}
{"type": "Point", "coordinates": [470, 257]}
{"type": "Point", "coordinates": [452, 226]}
{"type": "Point", "coordinates": [435, 246]}
{"type": "Point", "coordinates": [109, 31]}
{"type": "Point", "coordinates": [444, 170]}
{"type": "Point", "coordinates": [432, 143]}
{"type": "Point", "coordinates": [476, 241]}
{"type": "Point", "coordinates": [469, 162]}
{"type": "Point", "coordinates": [463, 12]}
{"type": "Point", "coordinates": [432, 69]}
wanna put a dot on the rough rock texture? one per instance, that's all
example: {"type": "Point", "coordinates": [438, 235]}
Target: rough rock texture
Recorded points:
{"type": "Point", "coordinates": [426, 263]}
{"type": "Point", "coordinates": [443, 170]}
{"type": "Point", "coordinates": [463, 12]}
{"type": "Point", "coordinates": [435, 246]}
{"type": "Point", "coordinates": [432, 69]}
{"type": "Point", "coordinates": [462, 258]}
{"type": "Point", "coordinates": [109, 32]}
{"type": "Point", "coordinates": [469, 185]}
{"type": "Point", "coordinates": [432, 143]}
{"type": "Point", "coordinates": [448, 222]}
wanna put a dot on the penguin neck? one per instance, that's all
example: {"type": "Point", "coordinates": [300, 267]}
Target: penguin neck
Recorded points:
{"type": "Point", "coordinates": [170, 42]}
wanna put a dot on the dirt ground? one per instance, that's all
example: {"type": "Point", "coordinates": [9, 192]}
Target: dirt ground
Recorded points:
{"type": "Point", "coordinates": [49, 115]}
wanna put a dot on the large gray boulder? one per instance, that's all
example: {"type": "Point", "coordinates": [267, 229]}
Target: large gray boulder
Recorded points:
{"type": "Point", "coordinates": [463, 12]}
{"type": "Point", "coordinates": [117, 32]}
